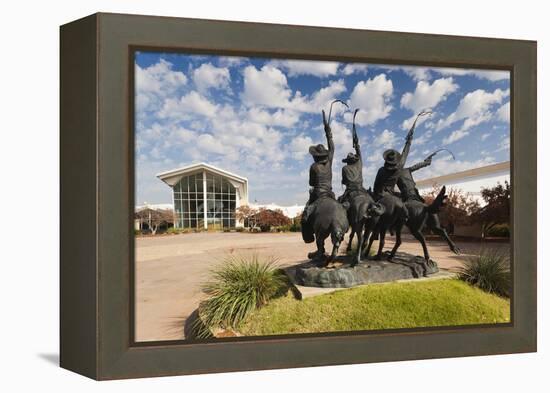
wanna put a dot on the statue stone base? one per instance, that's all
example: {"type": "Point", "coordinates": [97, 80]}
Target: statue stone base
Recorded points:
{"type": "Point", "coordinates": [402, 266]}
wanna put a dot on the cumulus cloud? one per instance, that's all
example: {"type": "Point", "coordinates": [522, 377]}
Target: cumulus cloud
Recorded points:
{"type": "Point", "coordinates": [426, 96]}
{"type": "Point", "coordinates": [503, 113]}
{"type": "Point", "coordinates": [354, 68]}
{"type": "Point", "coordinates": [299, 146]}
{"type": "Point", "coordinates": [208, 76]}
{"type": "Point", "coordinates": [474, 108]}
{"type": "Point", "coordinates": [373, 97]}
{"type": "Point", "coordinates": [491, 75]}
{"type": "Point", "coordinates": [307, 67]}
{"type": "Point", "coordinates": [267, 86]}
{"type": "Point", "coordinates": [190, 104]}
{"type": "Point", "coordinates": [154, 83]}
{"type": "Point", "coordinates": [385, 139]}
{"type": "Point", "coordinates": [455, 136]}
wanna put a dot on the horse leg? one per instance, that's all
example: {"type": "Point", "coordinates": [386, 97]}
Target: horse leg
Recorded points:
{"type": "Point", "coordinates": [418, 236]}
{"type": "Point", "coordinates": [335, 247]}
{"type": "Point", "coordinates": [397, 242]}
{"type": "Point", "coordinates": [435, 226]}
{"type": "Point", "coordinates": [382, 239]}
{"type": "Point", "coordinates": [367, 235]}
{"type": "Point", "coordinates": [348, 249]}
{"type": "Point", "coordinates": [359, 246]}
{"type": "Point", "coordinates": [320, 241]}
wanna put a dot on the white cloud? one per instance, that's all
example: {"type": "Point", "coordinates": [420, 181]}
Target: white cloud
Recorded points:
{"type": "Point", "coordinates": [299, 146]}
{"type": "Point", "coordinates": [455, 136]}
{"type": "Point", "coordinates": [485, 136]}
{"type": "Point", "coordinates": [504, 144]}
{"type": "Point", "coordinates": [267, 86]}
{"type": "Point", "coordinates": [307, 67]}
{"type": "Point", "coordinates": [322, 98]}
{"type": "Point", "coordinates": [385, 139]}
{"type": "Point", "coordinates": [231, 61]}
{"type": "Point", "coordinates": [190, 104]}
{"type": "Point", "coordinates": [159, 78]}
{"type": "Point", "coordinates": [503, 113]}
{"type": "Point", "coordinates": [373, 97]}
{"type": "Point", "coordinates": [210, 144]}
{"type": "Point", "coordinates": [491, 75]}
{"type": "Point", "coordinates": [154, 83]}
{"type": "Point", "coordinates": [474, 108]}
{"type": "Point", "coordinates": [353, 68]}
{"type": "Point", "coordinates": [426, 96]}
{"type": "Point", "coordinates": [208, 76]}
{"type": "Point", "coordinates": [417, 73]}
{"type": "Point", "coordinates": [279, 118]}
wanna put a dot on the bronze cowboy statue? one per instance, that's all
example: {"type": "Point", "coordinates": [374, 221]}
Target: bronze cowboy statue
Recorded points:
{"type": "Point", "coordinates": [323, 216]}
{"type": "Point", "coordinates": [361, 208]}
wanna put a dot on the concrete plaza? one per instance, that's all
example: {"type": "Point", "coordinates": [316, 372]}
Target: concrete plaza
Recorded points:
{"type": "Point", "coordinates": [170, 270]}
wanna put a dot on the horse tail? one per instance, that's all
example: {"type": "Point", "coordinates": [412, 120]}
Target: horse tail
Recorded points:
{"type": "Point", "coordinates": [438, 202]}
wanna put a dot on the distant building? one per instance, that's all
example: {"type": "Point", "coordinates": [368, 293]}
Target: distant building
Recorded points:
{"type": "Point", "coordinates": [470, 181]}
{"type": "Point", "coordinates": [205, 196]}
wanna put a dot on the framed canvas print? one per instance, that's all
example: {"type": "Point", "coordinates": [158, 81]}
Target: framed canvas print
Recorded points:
{"type": "Point", "coordinates": [241, 196]}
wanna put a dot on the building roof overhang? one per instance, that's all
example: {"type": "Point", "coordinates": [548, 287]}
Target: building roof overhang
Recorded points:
{"type": "Point", "coordinates": [172, 176]}
{"type": "Point", "coordinates": [489, 170]}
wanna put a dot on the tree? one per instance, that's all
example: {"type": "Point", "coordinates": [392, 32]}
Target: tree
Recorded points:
{"type": "Point", "coordinates": [458, 208]}
{"type": "Point", "coordinates": [497, 207]}
{"type": "Point", "coordinates": [155, 218]}
{"type": "Point", "coordinates": [267, 218]}
{"type": "Point", "coordinates": [246, 215]}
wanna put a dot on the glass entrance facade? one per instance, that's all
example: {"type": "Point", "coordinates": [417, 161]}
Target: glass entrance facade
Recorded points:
{"type": "Point", "coordinates": [190, 194]}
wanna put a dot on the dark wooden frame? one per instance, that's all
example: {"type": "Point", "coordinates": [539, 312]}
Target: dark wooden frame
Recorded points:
{"type": "Point", "coordinates": [97, 195]}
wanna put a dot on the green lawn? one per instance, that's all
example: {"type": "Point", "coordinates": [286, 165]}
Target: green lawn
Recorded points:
{"type": "Point", "coordinates": [380, 306]}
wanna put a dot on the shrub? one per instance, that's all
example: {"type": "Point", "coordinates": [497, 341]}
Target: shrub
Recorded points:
{"type": "Point", "coordinates": [238, 286]}
{"type": "Point", "coordinates": [502, 230]}
{"type": "Point", "coordinates": [240, 229]}
{"type": "Point", "coordinates": [137, 232]}
{"type": "Point", "coordinates": [489, 271]}
{"type": "Point", "coordinates": [176, 231]}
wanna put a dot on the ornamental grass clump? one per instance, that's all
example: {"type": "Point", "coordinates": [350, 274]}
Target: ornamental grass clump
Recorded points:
{"type": "Point", "coordinates": [489, 271]}
{"type": "Point", "coordinates": [237, 287]}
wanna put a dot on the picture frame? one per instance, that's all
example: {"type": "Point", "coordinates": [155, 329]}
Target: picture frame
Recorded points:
{"type": "Point", "coordinates": [97, 196]}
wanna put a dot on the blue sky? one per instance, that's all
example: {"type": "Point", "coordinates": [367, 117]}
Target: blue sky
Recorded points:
{"type": "Point", "coordinates": [257, 117]}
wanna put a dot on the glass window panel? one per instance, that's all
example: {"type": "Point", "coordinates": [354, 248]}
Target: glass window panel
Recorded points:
{"type": "Point", "coordinates": [232, 197]}
{"type": "Point", "coordinates": [200, 206]}
{"type": "Point", "coordinates": [192, 187]}
{"type": "Point", "coordinates": [232, 223]}
{"type": "Point", "coordinates": [193, 207]}
{"type": "Point", "coordinates": [232, 206]}
{"type": "Point", "coordinates": [184, 206]}
{"type": "Point", "coordinates": [193, 222]}
{"type": "Point", "coordinates": [184, 183]}
{"type": "Point", "coordinates": [218, 185]}
{"type": "Point", "coordinates": [198, 182]}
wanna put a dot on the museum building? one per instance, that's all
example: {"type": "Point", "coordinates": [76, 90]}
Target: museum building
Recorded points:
{"type": "Point", "coordinates": [205, 196]}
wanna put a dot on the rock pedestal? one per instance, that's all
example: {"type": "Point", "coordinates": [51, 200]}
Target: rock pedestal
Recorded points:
{"type": "Point", "coordinates": [403, 266]}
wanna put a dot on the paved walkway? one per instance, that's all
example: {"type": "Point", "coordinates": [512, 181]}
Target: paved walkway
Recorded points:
{"type": "Point", "coordinates": [170, 270]}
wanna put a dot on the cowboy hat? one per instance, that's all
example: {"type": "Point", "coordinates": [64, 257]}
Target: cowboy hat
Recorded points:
{"type": "Point", "coordinates": [318, 151]}
{"type": "Point", "coordinates": [351, 158]}
{"type": "Point", "coordinates": [392, 158]}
